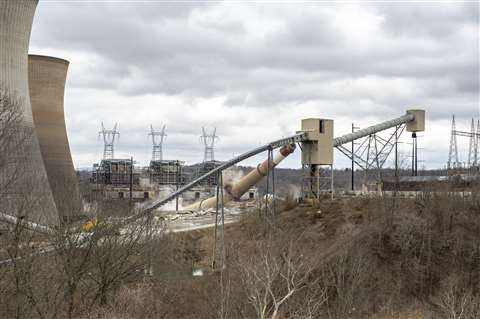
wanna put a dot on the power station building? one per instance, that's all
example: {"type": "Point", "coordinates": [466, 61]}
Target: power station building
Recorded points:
{"type": "Point", "coordinates": [166, 172]}
{"type": "Point", "coordinates": [115, 172]}
{"type": "Point", "coordinates": [24, 185]}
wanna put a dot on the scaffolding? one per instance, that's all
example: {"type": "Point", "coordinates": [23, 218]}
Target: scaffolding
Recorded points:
{"type": "Point", "coordinates": [166, 172]}
{"type": "Point", "coordinates": [115, 172]}
{"type": "Point", "coordinates": [317, 181]}
{"type": "Point", "coordinates": [206, 167]}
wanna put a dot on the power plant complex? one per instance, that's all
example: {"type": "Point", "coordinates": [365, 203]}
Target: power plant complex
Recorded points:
{"type": "Point", "coordinates": [354, 225]}
{"type": "Point", "coordinates": [38, 180]}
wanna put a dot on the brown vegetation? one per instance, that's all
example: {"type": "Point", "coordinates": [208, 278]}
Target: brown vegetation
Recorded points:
{"type": "Point", "coordinates": [348, 258]}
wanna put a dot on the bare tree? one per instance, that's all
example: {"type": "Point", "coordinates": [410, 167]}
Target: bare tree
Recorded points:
{"type": "Point", "coordinates": [272, 277]}
{"type": "Point", "coordinates": [11, 117]}
{"type": "Point", "coordinates": [117, 258]}
{"type": "Point", "coordinates": [17, 243]}
{"type": "Point", "coordinates": [453, 300]}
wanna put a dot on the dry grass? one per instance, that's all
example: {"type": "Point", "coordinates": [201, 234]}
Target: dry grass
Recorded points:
{"type": "Point", "coordinates": [348, 258]}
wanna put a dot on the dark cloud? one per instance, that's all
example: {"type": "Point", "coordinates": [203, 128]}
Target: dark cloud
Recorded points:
{"type": "Point", "coordinates": [433, 19]}
{"type": "Point", "coordinates": [346, 60]}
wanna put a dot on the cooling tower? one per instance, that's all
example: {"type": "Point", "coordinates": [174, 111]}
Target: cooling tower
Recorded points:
{"type": "Point", "coordinates": [46, 80]}
{"type": "Point", "coordinates": [24, 186]}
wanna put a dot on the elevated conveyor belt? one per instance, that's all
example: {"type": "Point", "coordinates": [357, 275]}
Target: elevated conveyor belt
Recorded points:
{"type": "Point", "coordinates": [276, 144]}
{"type": "Point", "coordinates": [289, 140]}
{"type": "Point", "coordinates": [372, 130]}
{"type": "Point", "coordinates": [147, 208]}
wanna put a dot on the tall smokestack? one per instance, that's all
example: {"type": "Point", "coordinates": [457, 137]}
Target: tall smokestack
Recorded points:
{"type": "Point", "coordinates": [23, 180]}
{"type": "Point", "coordinates": [46, 77]}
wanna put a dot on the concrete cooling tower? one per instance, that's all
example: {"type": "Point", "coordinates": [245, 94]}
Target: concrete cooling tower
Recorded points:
{"type": "Point", "coordinates": [46, 76]}
{"type": "Point", "coordinates": [24, 186]}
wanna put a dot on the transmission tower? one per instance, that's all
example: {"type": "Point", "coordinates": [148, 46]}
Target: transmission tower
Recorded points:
{"type": "Point", "coordinates": [453, 151]}
{"type": "Point", "coordinates": [109, 141]}
{"type": "Point", "coordinates": [158, 137]}
{"type": "Point", "coordinates": [471, 146]}
{"type": "Point", "coordinates": [209, 143]}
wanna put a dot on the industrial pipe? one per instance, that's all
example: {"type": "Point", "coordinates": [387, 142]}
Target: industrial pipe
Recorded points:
{"type": "Point", "coordinates": [236, 190]}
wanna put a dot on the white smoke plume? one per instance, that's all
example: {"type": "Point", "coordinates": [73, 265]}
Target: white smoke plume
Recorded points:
{"type": "Point", "coordinates": [170, 206]}
{"type": "Point", "coordinates": [232, 175]}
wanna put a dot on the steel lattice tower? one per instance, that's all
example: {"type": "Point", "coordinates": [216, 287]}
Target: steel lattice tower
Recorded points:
{"type": "Point", "coordinates": [209, 143]}
{"type": "Point", "coordinates": [471, 146]}
{"type": "Point", "coordinates": [453, 151]}
{"type": "Point", "coordinates": [158, 138]}
{"type": "Point", "coordinates": [109, 141]}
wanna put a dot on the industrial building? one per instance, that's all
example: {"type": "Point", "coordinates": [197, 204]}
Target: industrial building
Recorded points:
{"type": "Point", "coordinates": [205, 167]}
{"type": "Point", "coordinates": [113, 177]}
{"type": "Point", "coordinates": [118, 179]}
{"type": "Point", "coordinates": [115, 172]}
{"type": "Point", "coordinates": [23, 178]}
{"type": "Point", "coordinates": [166, 172]}
{"type": "Point", "coordinates": [47, 76]}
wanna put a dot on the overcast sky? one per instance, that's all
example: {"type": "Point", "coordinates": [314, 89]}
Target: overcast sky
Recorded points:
{"type": "Point", "coordinates": [254, 70]}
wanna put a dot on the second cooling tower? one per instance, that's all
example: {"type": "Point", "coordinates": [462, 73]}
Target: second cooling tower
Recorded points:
{"type": "Point", "coordinates": [47, 76]}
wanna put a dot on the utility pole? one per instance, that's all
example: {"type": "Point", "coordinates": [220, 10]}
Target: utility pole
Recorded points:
{"type": "Point", "coordinates": [414, 154]}
{"type": "Point", "coordinates": [353, 158]}
{"type": "Point", "coordinates": [177, 185]}
{"type": "Point", "coordinates": [396, 153]}
{"type": "Point", "coordinates": [131, 180]}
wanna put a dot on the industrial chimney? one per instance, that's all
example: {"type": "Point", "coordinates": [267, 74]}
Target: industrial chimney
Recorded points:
{"type": "Point", "coordinates": [46, 79]}
{"type": "Point", "coordinates": [24, 186]}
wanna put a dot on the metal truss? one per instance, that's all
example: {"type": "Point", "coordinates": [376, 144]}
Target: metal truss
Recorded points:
{"type": "Point", "coordinates": [374, 150]}
{"type": "Point", "coordinates": [218, 255]}
{"type": "Point", "coordinates": [109, 137]}
{"type": "Point", "coordinates": [158, 137]}
{"type": "Point", "coordinates": [317, 180]}
{"type": "Point", "coordinates": [473, 148]}
{"type": "Point", "coordinates": [209, 143]}
{"type": "Point", "coordinates": [454, 164]}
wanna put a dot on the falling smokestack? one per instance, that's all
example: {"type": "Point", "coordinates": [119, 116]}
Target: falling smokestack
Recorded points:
{"type": "Point", "coordinates": [46, 76]}
{"type": "Point", "coordinates": [237, 189]}
{"type": "Point", "coordinates": [23, 180]}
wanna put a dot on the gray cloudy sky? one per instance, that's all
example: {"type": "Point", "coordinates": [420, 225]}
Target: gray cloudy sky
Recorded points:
{"type": "Point", "coordinates": [254, 69]}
